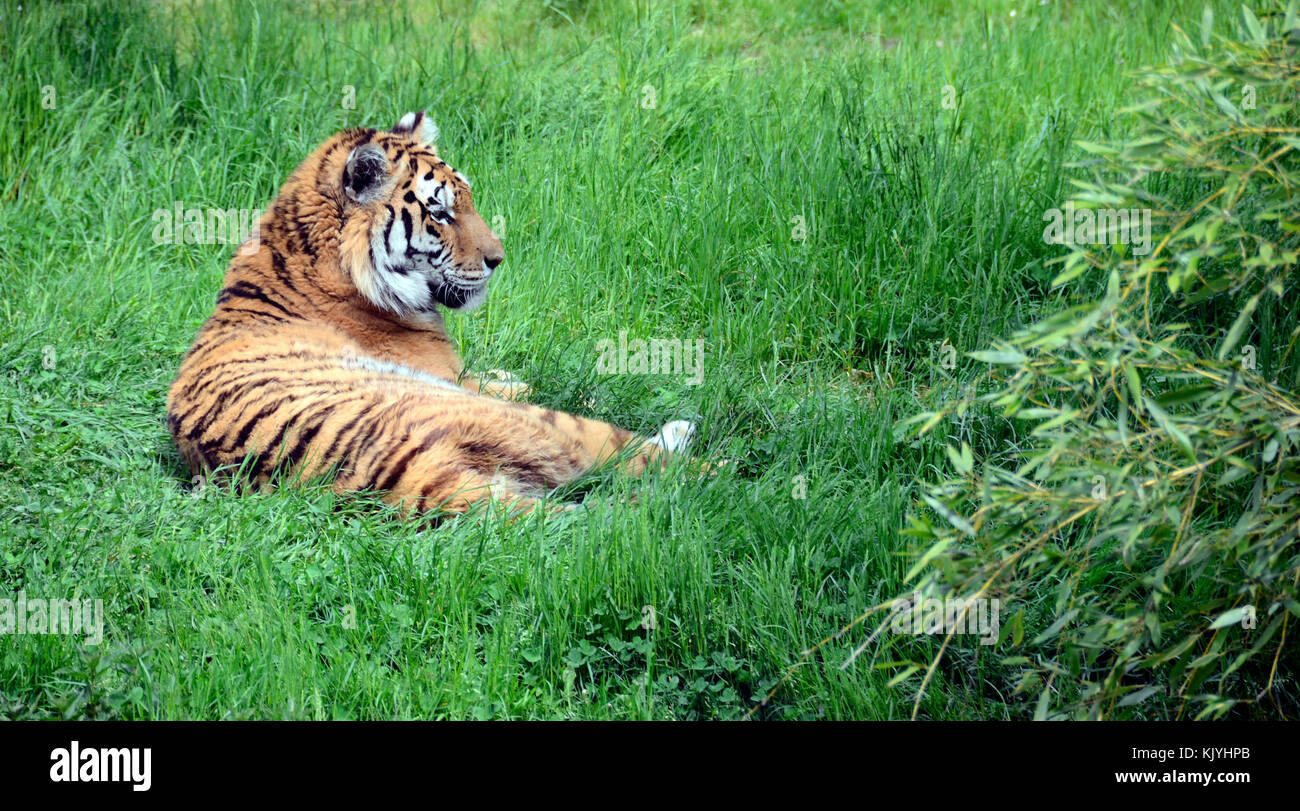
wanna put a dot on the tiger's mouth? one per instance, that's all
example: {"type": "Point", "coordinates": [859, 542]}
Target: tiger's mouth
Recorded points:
{"type": "Point", "coordinates": [455, 295]}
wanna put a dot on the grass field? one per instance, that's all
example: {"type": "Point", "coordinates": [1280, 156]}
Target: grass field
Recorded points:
{"type": "Point", "coordinates": [790, 186]}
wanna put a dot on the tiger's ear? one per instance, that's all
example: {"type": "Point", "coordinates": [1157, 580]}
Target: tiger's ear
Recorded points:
{"type": "Point", "coordinates": [365, 174]}
{"type": "Point", "coordinates": [416, 125]}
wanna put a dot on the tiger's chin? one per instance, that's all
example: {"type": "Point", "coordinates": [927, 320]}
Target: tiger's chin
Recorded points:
{"type": "Point", "coordinates": [458, 298]}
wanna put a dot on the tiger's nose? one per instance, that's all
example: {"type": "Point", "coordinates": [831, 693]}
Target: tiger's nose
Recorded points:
{"type": "Point", "coordinates": [493, 260]}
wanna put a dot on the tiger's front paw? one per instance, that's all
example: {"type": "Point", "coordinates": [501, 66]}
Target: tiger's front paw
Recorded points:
{"type": "Point", "coordinates": [500, 383]}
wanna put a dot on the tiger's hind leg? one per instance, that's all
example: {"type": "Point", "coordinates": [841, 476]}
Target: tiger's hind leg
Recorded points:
{"type": "Point", "coordinates": [465, 491]}
{"type": "Point", "coordinates": [600, 443]}
{"type": "Point", "coordinates": [512, 453]}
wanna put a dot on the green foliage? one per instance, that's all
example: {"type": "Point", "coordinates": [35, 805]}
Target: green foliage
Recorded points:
{"type": "Point", "coordinates": [1139, 522]}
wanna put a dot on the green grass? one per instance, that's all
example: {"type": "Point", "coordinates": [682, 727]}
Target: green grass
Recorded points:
{"type": "Point", "coordinates": [923, 226]}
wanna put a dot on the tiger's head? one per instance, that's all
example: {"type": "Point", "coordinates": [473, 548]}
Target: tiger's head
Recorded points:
{"type": "Point", "coordinates": [410, 238]}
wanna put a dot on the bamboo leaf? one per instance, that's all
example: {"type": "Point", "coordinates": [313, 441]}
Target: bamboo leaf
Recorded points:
{"type": "Point", "coordinates": [1233, 617]}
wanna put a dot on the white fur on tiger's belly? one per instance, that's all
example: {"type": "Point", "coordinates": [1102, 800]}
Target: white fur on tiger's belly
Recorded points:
{"type": "Point", "coordinates": [353, 360]}
{"type": "Point", "coordinates": [675, 436]}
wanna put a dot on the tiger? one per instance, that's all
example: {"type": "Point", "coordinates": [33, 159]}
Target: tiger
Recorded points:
{"type": "Point", "coordinates": [327, 353]}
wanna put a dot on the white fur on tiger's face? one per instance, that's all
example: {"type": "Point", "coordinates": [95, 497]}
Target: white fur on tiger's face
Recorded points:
{"type": "Point", "coordinates": [411, 237]}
